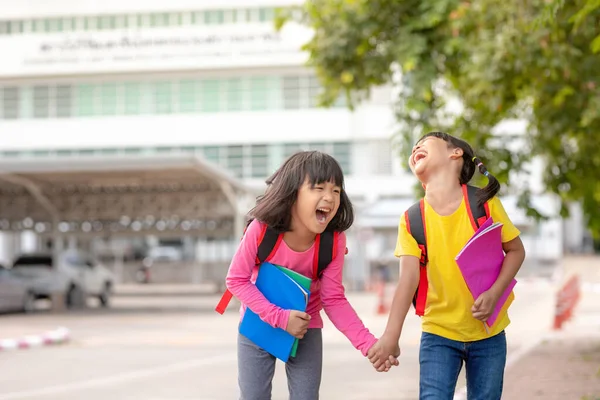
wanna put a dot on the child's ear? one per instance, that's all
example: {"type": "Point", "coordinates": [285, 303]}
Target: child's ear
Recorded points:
{"type": "Point", "coordinates": [456, 153]}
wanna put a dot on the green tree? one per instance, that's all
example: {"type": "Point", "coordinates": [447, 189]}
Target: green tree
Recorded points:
{"type": "Point", "coordinates": [495, 58]}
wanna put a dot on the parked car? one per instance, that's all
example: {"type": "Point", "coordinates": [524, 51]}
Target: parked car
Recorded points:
{"type": "Point", "coordinates": [76, 276]}
{"type": "Point", "coordinates": [16, 294]}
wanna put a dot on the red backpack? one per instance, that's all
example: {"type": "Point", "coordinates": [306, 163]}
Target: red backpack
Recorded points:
{"type": "Point", "coordinates": [268, 242]}
{"type": "Point", "coordinates": [415, 224]}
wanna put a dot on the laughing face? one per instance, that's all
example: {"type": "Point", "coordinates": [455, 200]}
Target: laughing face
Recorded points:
{"type": "Point", "coordinates": [430, 154]}
{"type": "Point", "coordinates": [315, 206]}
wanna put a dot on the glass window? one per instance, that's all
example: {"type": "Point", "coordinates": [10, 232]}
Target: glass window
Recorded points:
{"type": "Point", "coordinates": [258, 94]}
{"type": "Point", "coordinates": [107, 22]}
{"type": "Point", "coordinates": [38, 25]}
{"type": "Point", "coordinates": [259, 161]}
{"type": "Point", "coordinates": [163, 97]}
{"type": "Point", "coordinates": [121, 21]}
{"type": "Point", "coordinates": [214, 17]}
{"type": "Point", "coordinates": [211, 95]}
{"type": "Point", "coordinates": [41, 153]}
{"type": "Point", "coordinates": [291, 92]}
{"type": "Point", "coordinates": [241, 15]}
{"type": "Point", "coordinates": [291, 148]}
{"type": "Point", "coordinates": [4, 27]}
{"type": "Point", "coordinates": [235, 160]}
{"type": "Point", "coordinates": [10, 103]}
{"type": "Point", "coordinates": [198, 18]}
{"type": "Point", "coordinates": [41, 101]}
{"type": "Point", "coordinates": [233, 94]}
{"type": "Point", "coordinates": [212, 154]}
{"type": "Point", "coordinates": [64, 101]}
{"type": "Point", "coordinates": [133, 98]}
{"type": "Point", "coordinates": [313, 91]}
{"type": "Point", "coordinates": [342, 153]}
{"type": "Point", "coordinates": [26, 102]}
{"type": "Point", "coordinates": [159, 19]}
{"type": "Point", "coordinates": [266, 14]}
{"type": "Point", "coordinates": [188, 96]}
{"type": "Point", "coordinates": [16, 27]}
{"type": "Point", "coordinates": [108, 95]}
{"type": "Point", "coordinates": [85, 100]}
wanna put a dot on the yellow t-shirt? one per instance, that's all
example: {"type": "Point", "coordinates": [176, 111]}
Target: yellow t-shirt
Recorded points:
{"type": "Point", "coordinates": [449, 301]}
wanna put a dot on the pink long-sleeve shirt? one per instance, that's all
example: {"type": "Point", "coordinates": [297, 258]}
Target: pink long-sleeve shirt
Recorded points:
{"type": "Point", "coordinates": [326, 293]}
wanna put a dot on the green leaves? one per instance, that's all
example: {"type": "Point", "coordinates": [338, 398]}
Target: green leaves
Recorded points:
{"type": "Point", "coordinates": [502, 59]}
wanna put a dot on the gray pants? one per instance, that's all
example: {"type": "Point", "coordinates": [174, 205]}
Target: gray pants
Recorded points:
{"type": "Point", "coordinates": [256, 369]}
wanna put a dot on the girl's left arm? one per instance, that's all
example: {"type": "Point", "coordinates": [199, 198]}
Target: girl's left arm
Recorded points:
{"type": "Point", "coordinates": [337, 307]}
{"type": "Point", "coordinates": [514, 257]}
{"type": "Point", "coordinates": [512, 245]}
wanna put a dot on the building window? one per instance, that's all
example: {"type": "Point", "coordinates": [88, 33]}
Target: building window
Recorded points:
{"type": "Point", "coordinates": [41, 102]}
{"type": "Point", "coordinates": [341, 152]}
{"type": "Point", "coordinates": [189, 96]}
{"type": "Point", "coordinates": [64, 97]}
{"type": "Point", "coordinates": [10, 103]}
{"type": "Point", "coordinates": [85, 100]}
{"type": "Point", "coordinates": [235, 160]}
{"type": "Point", "coordinates": [291, 92]}
{"type": "Point", "coordinates": [211, 95]}
{"type": "Point", "coordinates": [212, 154]}
{"type": "Point", "coordinates": [244, 161]}
{"type": "Point", "coordinates": [163, 98]}
{"type": "Point", "coordinates": [133, 98]}
{"type": "Point", "coordinates": [259, 161]}
{"type": "Point", "coordinates": [255, 93]}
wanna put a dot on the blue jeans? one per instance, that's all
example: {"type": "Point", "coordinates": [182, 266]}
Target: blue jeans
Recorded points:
{"type": "Point", "coordinates": [441, 360]}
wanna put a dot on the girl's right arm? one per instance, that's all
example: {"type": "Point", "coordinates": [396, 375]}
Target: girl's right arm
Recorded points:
{"type": "Point", "coordinates": [239, 282]}
{"type": "Point", "coordinates": [405, 290]}
{"type": "Point", "coordinates": [409, 253]}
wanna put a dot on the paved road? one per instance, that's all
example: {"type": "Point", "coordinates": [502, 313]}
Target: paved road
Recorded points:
{"type": "Point", "coordinates": [168, 348]}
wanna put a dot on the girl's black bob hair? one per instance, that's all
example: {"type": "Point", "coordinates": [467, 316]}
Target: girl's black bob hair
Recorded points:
{"type": "Point", "coordinates": [274, 206]}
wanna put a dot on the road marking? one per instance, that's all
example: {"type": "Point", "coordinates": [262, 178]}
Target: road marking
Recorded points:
{"type": "Point", "coordinates": [120, 378]}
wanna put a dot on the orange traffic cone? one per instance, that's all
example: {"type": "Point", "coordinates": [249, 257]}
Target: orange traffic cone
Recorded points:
{"type": "Point", "coordinates": [381, 306]}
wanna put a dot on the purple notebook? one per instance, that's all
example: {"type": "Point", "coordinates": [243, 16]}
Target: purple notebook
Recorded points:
{"type": "Point", "coordinates": [480, 262]}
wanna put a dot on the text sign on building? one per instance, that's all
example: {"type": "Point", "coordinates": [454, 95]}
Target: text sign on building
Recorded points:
{"type": "Point", "coordinates": [152, 50]}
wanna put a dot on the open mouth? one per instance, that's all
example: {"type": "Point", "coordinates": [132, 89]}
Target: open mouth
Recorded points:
{"type": "Point", "coordinates": [419, 156]}
{"type": "Point", "coordinates": [323, 214]}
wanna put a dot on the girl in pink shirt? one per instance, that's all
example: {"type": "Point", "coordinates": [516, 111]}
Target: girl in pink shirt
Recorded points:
{"type": "Point", "coordinates": [304, 198]}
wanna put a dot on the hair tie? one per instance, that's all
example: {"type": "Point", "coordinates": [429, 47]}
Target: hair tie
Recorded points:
{"type": "Point", "coordinates": [479, 165]}
{"type": "Point", "coordinates": [486, 173]}
{"type": "Point", "coordinates": [473, 159]}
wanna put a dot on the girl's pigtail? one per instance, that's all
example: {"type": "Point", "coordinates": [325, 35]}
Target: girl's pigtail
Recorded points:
{"type": "Point", "coordinates": [493, 186]}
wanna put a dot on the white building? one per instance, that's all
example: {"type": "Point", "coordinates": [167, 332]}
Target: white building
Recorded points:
{"type": "Point", "coordinates": [85, 78]}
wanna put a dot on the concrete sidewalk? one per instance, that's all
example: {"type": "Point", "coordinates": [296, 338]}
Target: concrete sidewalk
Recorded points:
{"type": "Point", "coordinates": [565, 364]}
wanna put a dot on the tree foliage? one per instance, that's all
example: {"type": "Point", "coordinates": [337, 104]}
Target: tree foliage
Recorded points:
{"type": "Point", "coordinates": [465, 66]}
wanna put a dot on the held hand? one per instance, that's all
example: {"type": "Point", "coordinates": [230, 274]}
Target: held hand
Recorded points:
{"type": "Point", "coordinates": [484, 305]}
{"type": "Point", "coordinates": [384, 354]}
{"type": "Point", "coordinates": [297, 323]}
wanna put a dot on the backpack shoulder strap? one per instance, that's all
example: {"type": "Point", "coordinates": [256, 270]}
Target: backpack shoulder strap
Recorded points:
{"type": "Point", "coordinates": [415, 224]}
{"type": "Point", "coordinates": [325, 252]}
{"type": "Point", "coordinates": [478, 214]}
{"type": "Point", "coordinates": [268, 242]}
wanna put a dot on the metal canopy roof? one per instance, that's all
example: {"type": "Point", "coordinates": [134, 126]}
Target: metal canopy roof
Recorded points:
{"type": "Point", "coordinates": [121, 195]}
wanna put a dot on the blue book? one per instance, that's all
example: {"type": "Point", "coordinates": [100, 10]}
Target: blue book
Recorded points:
{"type": "Point", "coordinates": [280, 289]}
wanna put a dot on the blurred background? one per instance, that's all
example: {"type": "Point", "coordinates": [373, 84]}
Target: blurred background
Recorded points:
{"type": "Point", "coordinates": [134, 137]}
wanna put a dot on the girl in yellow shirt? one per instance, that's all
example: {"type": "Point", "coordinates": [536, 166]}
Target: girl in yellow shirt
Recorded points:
{"type": "Point", "coordinates": [452, 326]}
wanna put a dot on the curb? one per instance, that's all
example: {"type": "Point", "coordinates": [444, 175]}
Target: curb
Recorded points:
{"type": "Point", "coordinates": [56, 336]}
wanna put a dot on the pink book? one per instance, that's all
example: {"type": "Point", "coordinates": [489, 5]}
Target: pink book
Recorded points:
{"type": "Point", "coordinates": [480, 262]}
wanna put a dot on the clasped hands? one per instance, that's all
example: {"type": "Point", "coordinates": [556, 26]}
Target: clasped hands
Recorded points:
{"type": "Point", "coordinates": [384, 354]}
